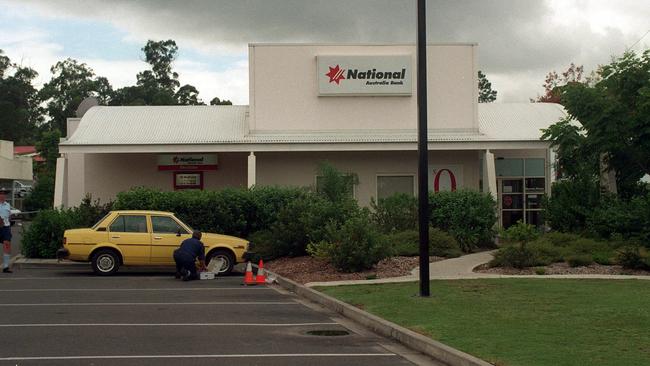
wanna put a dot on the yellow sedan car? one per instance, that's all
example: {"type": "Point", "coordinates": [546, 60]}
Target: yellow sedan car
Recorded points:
{"type": "Point", "coordinates": [144, 238]}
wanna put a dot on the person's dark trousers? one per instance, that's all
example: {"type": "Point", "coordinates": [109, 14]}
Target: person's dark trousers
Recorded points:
{"type": "Point", "coordinates": [185, 261]}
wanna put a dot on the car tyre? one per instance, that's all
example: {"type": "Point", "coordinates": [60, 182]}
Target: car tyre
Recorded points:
{"type": "Point", "coordinates": [105, 262]}
{"type": "Point", "coordinates": [225, 256]}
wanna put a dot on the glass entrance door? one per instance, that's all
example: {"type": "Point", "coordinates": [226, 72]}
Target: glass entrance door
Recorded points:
{"type": "Point", "coordinates": [511, 201]}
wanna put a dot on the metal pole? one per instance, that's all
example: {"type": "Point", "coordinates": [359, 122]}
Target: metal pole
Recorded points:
{"type": "Point", "coordinates": [423, 150]}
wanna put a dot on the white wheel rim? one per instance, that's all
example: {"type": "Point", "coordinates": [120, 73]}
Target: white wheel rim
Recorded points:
{"type": "Point", "coordinates": [105, 263]}
{"type": "Point", "coordinates": [221, 263]}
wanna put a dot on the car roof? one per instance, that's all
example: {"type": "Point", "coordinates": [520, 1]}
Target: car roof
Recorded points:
{"type": "Point", "coordinates": [142, 212]}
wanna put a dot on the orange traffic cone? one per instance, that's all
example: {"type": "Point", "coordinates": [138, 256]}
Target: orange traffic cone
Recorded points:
{"type": "Point", "coordinates": [260, 279]}
{"type": "Point", "coordinates": [248, 277]}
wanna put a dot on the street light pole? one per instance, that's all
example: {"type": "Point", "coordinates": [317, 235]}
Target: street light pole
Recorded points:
{"type": "Point", "coordinates": [423, 150]}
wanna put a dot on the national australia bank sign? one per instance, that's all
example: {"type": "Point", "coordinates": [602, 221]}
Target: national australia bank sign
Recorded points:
{"type": "Point", "coordinates": [364, 75]}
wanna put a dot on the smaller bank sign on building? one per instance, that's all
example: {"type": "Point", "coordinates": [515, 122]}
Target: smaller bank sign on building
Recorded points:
{"type": "Point", "coordinates": [389, 75]}
{"type": "Point", "coordinates": [187, 162]}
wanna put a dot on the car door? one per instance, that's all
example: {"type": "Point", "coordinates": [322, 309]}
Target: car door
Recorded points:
{"type": "Point", "coordinates": [166, 236]}
{"type": "Point", "coordinates": [131, 235]}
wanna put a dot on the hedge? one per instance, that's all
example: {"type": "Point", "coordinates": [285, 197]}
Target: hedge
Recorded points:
{"type": "Point", "coordinates": [279, 221]}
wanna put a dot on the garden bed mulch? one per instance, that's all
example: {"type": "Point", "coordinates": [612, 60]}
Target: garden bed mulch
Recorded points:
{"type": "Point", "coordinates": [564, 269]}
{"type": "Point", "coordinates": [308, 269]}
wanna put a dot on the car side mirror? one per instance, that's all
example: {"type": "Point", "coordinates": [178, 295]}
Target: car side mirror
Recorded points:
{"type": "Point", "coordinates": [178, 233]}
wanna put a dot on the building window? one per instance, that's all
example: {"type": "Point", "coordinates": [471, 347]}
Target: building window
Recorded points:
{"type": "Point", "coordinates": [388, 185]}
{"type": "Point", "coordinates": [521, 186]}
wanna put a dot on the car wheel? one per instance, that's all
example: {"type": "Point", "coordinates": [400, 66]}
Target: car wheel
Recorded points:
{"type": "Point", "coordinates": [226, 259]}
{"type": "Point", "coordinates": [105, 262]}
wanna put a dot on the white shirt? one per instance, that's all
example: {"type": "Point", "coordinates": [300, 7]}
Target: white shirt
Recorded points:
{"type": "Point", "coordinates": [5, 212]}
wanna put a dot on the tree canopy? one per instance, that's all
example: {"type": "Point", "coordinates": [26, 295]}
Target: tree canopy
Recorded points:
{"type": "Point", "coordinates": [71, 83]}
{"type": "Point", "coordinates": [20, 112]}
{"type": "Point", "coordinates": [609, 118]}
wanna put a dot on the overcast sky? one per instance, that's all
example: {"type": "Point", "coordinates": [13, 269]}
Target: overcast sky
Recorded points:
{"type": "Point", "coordinates": [520, 41]}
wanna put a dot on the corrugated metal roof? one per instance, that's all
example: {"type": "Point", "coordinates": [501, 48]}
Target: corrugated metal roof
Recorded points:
{"type": "Point", "coordinates": [139, 125]}
{"type": "Point", "coordinates": [229, 124]}
{"type": "Point", "coordinates": [517, 121]}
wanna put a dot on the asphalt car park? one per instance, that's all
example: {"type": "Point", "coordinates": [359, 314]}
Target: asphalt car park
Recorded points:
{"type": "Point", "coordinates": [69, 316]}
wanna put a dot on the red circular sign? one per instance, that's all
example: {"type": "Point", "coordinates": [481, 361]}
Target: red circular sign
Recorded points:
{"type": "Point", "coordinates": [507, 201]}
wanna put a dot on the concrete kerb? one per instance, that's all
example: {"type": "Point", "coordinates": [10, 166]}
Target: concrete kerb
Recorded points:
{"type": "Point", "coordinates": [409, 338]}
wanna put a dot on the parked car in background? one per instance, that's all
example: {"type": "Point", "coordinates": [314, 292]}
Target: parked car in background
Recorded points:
{"type": "Point", "coordinates": [144, 238]}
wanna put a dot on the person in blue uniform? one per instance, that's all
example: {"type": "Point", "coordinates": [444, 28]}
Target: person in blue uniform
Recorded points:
{"type": "Point", "coordinates": [186, 256]}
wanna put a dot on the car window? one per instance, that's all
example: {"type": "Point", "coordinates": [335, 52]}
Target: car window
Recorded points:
{"type": "Point", "coordinates": [129, 224]}
{"type": "Point", "coordinates": [166, 225]}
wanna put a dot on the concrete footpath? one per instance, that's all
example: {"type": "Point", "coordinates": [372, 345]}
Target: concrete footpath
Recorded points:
{"type": "Point", "coordinates": [462, 268]}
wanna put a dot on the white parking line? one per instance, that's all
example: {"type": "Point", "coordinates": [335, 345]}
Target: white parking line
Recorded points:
{"type": "Point", "coordinates": [134, 289]}
{"type": "Point", "coordinates": [155, 303]}
{"type": "Point", "coordinates": [265, 355]}
{"type": "Point", "coordinates": [165, 325]}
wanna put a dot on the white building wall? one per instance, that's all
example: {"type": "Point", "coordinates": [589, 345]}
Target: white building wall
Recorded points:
{"type": "Point", "coordinates": [105, 175]}
{"type": "Point", "coordinates": [11, 167]}
{"type": "Point", "coordinates": [284, 90]}
{"type": "Point", "coordinates": [300, 168]}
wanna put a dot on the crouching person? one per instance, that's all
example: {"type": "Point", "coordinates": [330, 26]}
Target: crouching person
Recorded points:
{"type": "Point", "coordinates": [186, 255]}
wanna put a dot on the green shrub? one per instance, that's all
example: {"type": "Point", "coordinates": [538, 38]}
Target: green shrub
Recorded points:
{"type": "Point", "coordinates": [45, 234]}
{"type": "Point", "coordinates": [570, 204]}
{"type": "Point", "coordinates": [560, 239]}
{"type": "Point", "coordinates": [540, 271]}
{"type": "Point", "coordinates": [629, 219]}
{"type": "Point", "coordinates": [546, 253]}
{"type": "Point", "coordinates": [630, 257]}
{"type": "Point", "coordinates": [407, 243]}
{"type": "Point", "coordinates": [352, 246]}
{"type": "Point", "coordinates": [521, 233]}
{"type": "Point", "coordinates": [604, 259]}
{"type": "Point", "coordinates": [469, 216]}
{"type": "Point", "coordinates": [579, 260]}
{"type": "Point", "coordinates": [395, 213]}
{"type": "Point", "coordinates": [514, 257]}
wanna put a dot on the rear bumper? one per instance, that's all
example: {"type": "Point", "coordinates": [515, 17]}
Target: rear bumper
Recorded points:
{"type": "Point", "coordinates": [62, 253]}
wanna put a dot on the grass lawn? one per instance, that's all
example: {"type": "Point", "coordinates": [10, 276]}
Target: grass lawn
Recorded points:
{"type": "Point", "coordinates": [523, 322]}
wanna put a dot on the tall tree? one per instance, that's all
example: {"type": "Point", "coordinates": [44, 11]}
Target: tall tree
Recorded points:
{"type": "Point", "coordinates": [71, 83]}
{"type": "Point", "coordinates": [159, 85]}
{"type": "Point", "coordinates": [485, 92]}
{"type": "Point", "coordinates": [613, 116]}
{"type": "Point", "coordinates": [160, 55]}
{"type": "Point", "coordinates": [20, 111]}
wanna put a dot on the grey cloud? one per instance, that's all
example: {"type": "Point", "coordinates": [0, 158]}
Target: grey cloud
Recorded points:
{"type": "Point", "coordinates": [514, 35]}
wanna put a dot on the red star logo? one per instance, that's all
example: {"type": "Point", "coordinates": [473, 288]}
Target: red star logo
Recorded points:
{"type": "Point", "coordinates": [335, 74]}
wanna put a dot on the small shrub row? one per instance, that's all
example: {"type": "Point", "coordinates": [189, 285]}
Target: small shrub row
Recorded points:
{"type": "Point", "coordinates": [574, 250]}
